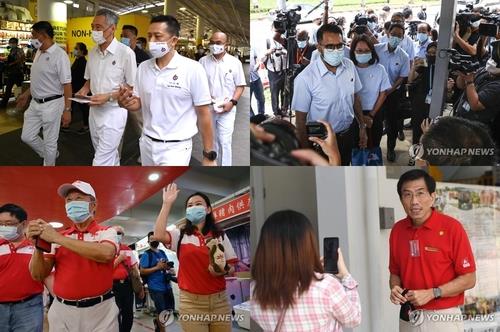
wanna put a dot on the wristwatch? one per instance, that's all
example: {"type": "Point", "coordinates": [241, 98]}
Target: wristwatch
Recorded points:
{"type": "Point", "coordinates": [362, 125]}
{"type": "Point", "coordinates": [235, 102]}
{"type": "Point", "coordinates": [110, 99]}
{"type": "Point", "coordinates": [437, 292]}
{"type": "Point", "coordinates": [210, 155]}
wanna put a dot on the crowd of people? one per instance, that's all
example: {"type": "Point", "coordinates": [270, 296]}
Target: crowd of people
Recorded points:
{"type": "Point", "coordinates": [166, 96]}
{"type": "Point", "coordinates": [88, 278]}
{"type": "Point", "coordinates": [366, 78]}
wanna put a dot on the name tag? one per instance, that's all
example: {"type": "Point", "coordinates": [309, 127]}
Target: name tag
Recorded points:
{"type": "Point", "coordinates": [428, 98]}
{"type": "Point", "coordinates": [466, 106]}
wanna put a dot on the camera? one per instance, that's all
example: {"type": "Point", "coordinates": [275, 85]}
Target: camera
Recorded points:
{"type": "Point", "coordinates": [465, 17]}
{"type": "Point", "coordinates": [361, 19]}
{"type": "Point", "coordinates": [413, 28]}
{"type": "Point", "coordinates": [489, 29]}
{"type": "Point", "coordinates": [287, 20]}
{"type": "Point", "coordinates": [316, 129]}
{"type": "Point", "coordinates": [461, 62]}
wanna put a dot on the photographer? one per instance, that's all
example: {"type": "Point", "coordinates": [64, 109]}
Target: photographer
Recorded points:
{"type": "Point", "coordinates": [333, 73]}
{"type": "Point", "coordinates": [304, 50]}
{"type": "Point", "coordinates": [465, 38]}
{"type": "Point", "coordinates": [481, 97]}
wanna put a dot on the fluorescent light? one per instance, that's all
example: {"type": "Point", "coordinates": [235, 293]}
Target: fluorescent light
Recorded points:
{"type": "Point", "coordinates": [144, 11]}
{"type": "Point", "coordinates": [153, 177]}
{"type": "Point", "coordinates": [182, 8]}
{"type": "Point", "coordinates": [76, 5]}
{"type": "Point", "coordinates": [56, 224]}
{"type": "Point", "coordinates": [68, 2]}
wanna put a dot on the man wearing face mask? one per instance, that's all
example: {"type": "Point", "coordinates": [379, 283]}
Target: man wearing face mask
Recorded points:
{"type": "Point", "coordinates": [50, 90]}
{"type": "Point", "coordinates": [111, 65]}
{"type": "Point", "coordinates": [21, 302]}
{"type": "Point", "coordinates": [329, 91]}
{"type": "Point", "coordinates": [14, 69]}
{"type": "Point", "coordinates": [423, 39]}
{"type": "Point", "coordinates": [304, 50]}
{"type": "Point", "coordinates": [85, 251]}
{"type": "Point", "coordinates": [153, 267]}
{"type": "Point", "coordinates": [129, 38]}
{"type": "Point", "coordinates": [227, 82]}
{"type": "Point", "coordinates": [397, 64]}
{"type": "Point", "coordinates": [481, 97]}
{"type": "Point", "coordinates": [173, 94]}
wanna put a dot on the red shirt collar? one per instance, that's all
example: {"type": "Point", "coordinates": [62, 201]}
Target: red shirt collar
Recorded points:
{"type": "Point", "coordinates": [431, 222]}
{"type": "Point", "coordinates": [24, 243]}
{"type": "Point", "coordinates": [93, 227]}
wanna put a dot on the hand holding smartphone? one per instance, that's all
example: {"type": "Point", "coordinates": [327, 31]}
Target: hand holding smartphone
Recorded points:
{"type": "Point", "coordinates": [330, 254]}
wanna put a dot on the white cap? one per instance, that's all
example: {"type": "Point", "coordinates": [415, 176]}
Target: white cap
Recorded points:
{"type": "Point", "coordinates": [84, 187]}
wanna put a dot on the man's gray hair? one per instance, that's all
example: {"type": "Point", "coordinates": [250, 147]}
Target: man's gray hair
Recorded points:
{"type": "Point", "coordinates": [111, 17]}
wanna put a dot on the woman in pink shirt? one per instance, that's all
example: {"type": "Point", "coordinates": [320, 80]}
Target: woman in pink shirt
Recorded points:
{"type": "Point", "coordinates": [288, 281]}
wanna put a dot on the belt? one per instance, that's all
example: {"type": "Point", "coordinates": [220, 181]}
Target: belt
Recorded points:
{"type": "Point", "coordinates": [44, 100]}
{"type": "Point", "coordinates": [23, 300]}
{"type": "Point", "coordinates": [85, 303]}
{"type": "Point", "coordinates": [163, 141]}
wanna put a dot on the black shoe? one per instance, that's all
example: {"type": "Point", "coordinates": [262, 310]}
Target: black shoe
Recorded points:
{"type": "Point", "coordinates": [391, 156]}
{"type": "Point", "coordinates": [401, 135]}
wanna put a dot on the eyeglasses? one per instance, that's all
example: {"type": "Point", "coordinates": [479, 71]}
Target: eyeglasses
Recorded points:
{"type": "Point", "coordinates": [119, 233]}
{"type": "Point", "coordinates": [334, 46]}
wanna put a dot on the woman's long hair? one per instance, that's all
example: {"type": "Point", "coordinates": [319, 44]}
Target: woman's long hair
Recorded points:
{"type": "Point", "coordinates": [209, 226]}
{"type": "Point", "coordinates": [285, 261]}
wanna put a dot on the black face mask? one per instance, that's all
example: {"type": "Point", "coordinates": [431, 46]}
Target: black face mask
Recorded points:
{"type": "Point", "coordinates": [431, 59]}
{"type": "Point", "coordinates": [154, 244]}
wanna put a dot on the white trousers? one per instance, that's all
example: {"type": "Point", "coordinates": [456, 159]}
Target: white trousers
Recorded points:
{"type": "Point", "coordinates": [445, 320]}
{"type": "Point", "coordinates": [48, 117]}
{"type": "Point", "coordinates": [224, 127]}
{"type": "Point", "coordinates": [102, 317]}
{"type": "Point", "coordinates": [107, 124]}
{"type": "Point", "coordinates": [165, 154]}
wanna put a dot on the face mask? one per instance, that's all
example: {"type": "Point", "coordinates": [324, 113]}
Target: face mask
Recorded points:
{"type": "Point", "coordinates": [76, 53]}
{"type": "Point", "coordinates": [363, 58]}
{"type": "Point", "coordinates": [78, 211]}
{"type": "Point", "coordinates": [196, 214]}
{"type": "Point", "coordinates": [475, 24]}
{"type": "Point", "coordinates": [139, 46]}
{"type": "Point", "coordinates": [98, 37]}
{"type": "Point", "coordinates": [154, 244]}
{"type": "Point", "coordinates": [333, 57]}
{"type": "Point", "coordinates": [9, 232]}
{"type": "Point", "coordinates": [491, 67]}
{"type": "Point", "coordinates": [36, 43]}
{"type": "Point", "coordinates": [158, 49]}
{"type": "Point", "coordinates": [216, 49]}
{"type": "Point", "coordinates": [301, 43]}
{"type": "Point", "coordinates": [394, 41]}
{"type": "Point", "coordinates": [125, 41]}
{"type": "Point", "coordinates": [431, 59]}
{"type": "Point", "coordinates": [422, 37]}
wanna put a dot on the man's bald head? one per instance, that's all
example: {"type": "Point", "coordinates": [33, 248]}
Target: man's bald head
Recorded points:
{"type": "Point", "coordinates": [219, 38]}
{"type": "Point", "coordinates": [303, 35]}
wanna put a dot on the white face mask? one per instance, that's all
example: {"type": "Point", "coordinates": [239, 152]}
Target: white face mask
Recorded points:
{"type": "Point", "coordinates": [158, 49]}
{"type": "Point", "coordinates": [98, 37]}
{"type": "Point", "coordinates": [36, 43]}
{"type": "Point", "coordinates": [491, 67]}
{"type": "Point", "coordinates": [476, 24]}
{"type": "Point", "coordinates": [216, 49]}
{"type": "Point", "coordinates": [9, 233]}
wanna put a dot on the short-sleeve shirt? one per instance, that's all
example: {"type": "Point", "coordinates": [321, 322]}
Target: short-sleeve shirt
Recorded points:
{"type": "Point", "coordinates": [169, 96]}
{"type": "Point", "coordinates": [223, 75]}
{"type": "Point", "coordinates": [121, 270]}
{"type": "Point", "coordinates": [421, 49]}
{"type": "Point", "coordinates": [408, 46]}
{"type": "Point", "coordinates": [374, 79]}
{"type": "Point", "coordinates": [91, 277]}
{"type": "Point", "coordinates": [326, 95]}
{"type": "Point", "coordinates": [444, 254]}
{"type": "Point", "coordinates": [107, 70]}
{"type": "Point", "coordinates": [16, 282]}
{"type": "Point", "coordinates": [156, 280]}
{"type": "Point", "coordinates": [50, 70]}
{"type": "Point", "coordinates": [396, 63]}
{"type": "Point", "coordinates": [194, 276]}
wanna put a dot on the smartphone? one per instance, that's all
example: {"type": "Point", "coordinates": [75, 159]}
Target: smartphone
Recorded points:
{"type": "Point", "coordinates": [42, 245]}
{"type": "Point", "coordinates": [331, 254]}
{"type": "Point", "coordinates": [488, 29]}
{"type": "Point", "coordinates": [316, 129]}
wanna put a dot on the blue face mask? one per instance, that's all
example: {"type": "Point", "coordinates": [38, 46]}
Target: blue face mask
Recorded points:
{"type": "Point", "coordinates": [9, 232]}
{"type": "Point", "coordinates": [125, 41]}
{"type": "Point", "coordinates": [78, 211]}
{"type": "Point", "coordinates": [333, 57]}
{"type": "Point", "coordinates": [422, 37]}
{"type": "Point", "coordinates": [394, 41]}
{"type": "Point", "coordinates": [301, 43]}
{"type": "Point", "coordinates": [363, 58]}
{"type": "Point", "coordinates": [196, 214]}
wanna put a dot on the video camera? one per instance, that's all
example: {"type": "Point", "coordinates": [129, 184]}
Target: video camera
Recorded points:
{"type": "Point", "coordinates": [465, 18]}
{"type": "Point", "coordinates": [413, 28]}
{"type": "Point", "coordinates": [461, 62]}
{"type": "Point", "coordinates": [361, 21]}
{"type": "Point", "coordinates": [491, 28]}
{"type": "Point", "coordinates": [287, 20]}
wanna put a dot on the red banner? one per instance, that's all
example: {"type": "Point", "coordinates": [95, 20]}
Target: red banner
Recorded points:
{"type": "Point", "coordinates": [232, 208]}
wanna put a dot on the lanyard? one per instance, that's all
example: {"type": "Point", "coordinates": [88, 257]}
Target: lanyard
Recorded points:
{"type": "Point", "coordinates": [300, 55]}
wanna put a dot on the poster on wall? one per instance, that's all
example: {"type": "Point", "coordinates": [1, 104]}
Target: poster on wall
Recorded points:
{"type": "Point", "coordinates": [478, 209]}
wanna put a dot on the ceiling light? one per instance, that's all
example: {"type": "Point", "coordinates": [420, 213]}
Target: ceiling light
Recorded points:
{"type": "Point", "coordinates": [153, 177]}
{"type": "Point", "coordinates": [68, 2]}
{"type": "Point", "coordinates": [182, 8]}
{"type": "Point", "coordinates": [144, 11]}
{"type": "Point", "coordinates": [56, 224]}
{"type": "Point", "coordinates": [76, 5]}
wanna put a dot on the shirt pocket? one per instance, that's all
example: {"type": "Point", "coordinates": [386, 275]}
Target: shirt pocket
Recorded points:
{"type": "Point", "coordinates": [117, 73]}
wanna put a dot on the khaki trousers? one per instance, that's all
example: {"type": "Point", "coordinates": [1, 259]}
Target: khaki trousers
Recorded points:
{"type": "Point", "coordinates": [444, 320]}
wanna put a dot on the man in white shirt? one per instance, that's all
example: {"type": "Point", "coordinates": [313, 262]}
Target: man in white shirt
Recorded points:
{"type": "Point", "coordinates": [227, 82]}
{"type": "Point", "coordinates": [173, 94]}
{"type": "Point", "coordinates": [50, 90]}
{"type": "Point", "coordinates": [111, 64]}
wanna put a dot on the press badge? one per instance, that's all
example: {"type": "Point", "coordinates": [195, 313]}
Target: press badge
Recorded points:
{"type": "Point", "coordinates": [428, 97]}
{"type": "Point", "coordinates": [466, 106]}
{"type": "Point", "coordinates": [414, 248]}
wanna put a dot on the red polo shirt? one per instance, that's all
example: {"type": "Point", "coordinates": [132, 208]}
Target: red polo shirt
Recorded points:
{"type": "Point", "coordinates": [194, 276]}
{"type": "Point", "coordinates": [77, 277]}
{"type": "Point", "coordinates": [16, 282]}
{"type": "Point", "coordinates": [445, 254]}
{"type": "Point", "coordinates": [121, 270]}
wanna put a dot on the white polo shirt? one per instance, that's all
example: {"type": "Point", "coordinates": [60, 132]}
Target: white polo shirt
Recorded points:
{"type": "Point", "coordinates": [50, 70]}
{"type": "Point", "coordinates": [107, 70]}
{"type": "Point", "coordinates": [224, 75]}
{"type": "Point", "coordinates": [396, 63]}
{"type": "Point", "coordinates": [169, 96]}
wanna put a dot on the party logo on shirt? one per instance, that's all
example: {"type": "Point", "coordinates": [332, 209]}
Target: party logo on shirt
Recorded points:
{"type": "Point", "coordinates": [441, 233]}
{"type": "Point", "coordinates": [114, 62]}
{"type": "Point", "coordinates": [175, 77]}
{"type": "Point", "coordinates": [230, 70]}
{"type": "Point", "coordinates": [465, 263]}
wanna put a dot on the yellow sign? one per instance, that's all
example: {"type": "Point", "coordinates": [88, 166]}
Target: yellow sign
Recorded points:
{"type": "Point", "coordinates": [60, 33]}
